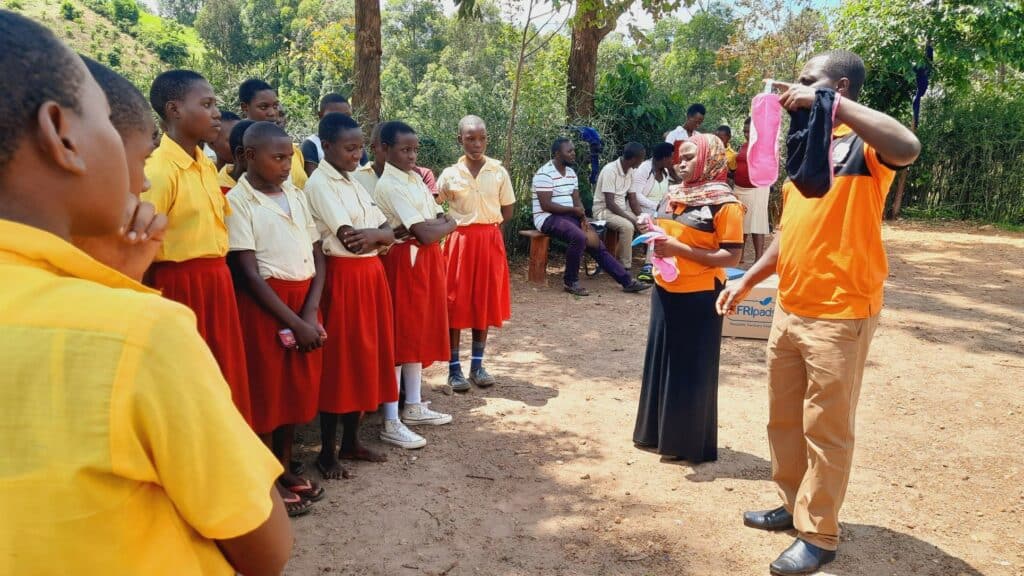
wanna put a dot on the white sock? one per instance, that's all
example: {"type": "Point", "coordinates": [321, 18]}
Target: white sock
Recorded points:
{"type": "Point", "coordinates": [391, 408]}
{"type": "Point", "coordinates": [413, 378]}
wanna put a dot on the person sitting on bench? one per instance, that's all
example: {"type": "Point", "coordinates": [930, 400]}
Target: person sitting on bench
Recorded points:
{"type": "Point", "coordinates": [558, 212]}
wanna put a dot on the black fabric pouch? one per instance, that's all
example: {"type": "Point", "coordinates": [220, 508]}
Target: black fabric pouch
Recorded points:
{"type": "Point", "coordinates": [809, 145]}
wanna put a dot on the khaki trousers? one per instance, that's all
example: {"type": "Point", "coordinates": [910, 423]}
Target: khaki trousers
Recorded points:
{"type": "Point", "coordinates": [815, 367]}
{"type": "Point", "coordinates": [624, 249]}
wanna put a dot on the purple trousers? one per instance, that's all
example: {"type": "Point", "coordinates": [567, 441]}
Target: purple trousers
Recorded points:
{"type": "Point", "coordinates": [568, 230]}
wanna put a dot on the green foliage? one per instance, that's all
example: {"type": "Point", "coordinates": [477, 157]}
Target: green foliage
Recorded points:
{"type": "Point", "coordinates": [183, 11]}
{"type": "Point", "coordinates": [101, 7]}
{"type": "Point", "coordinates": [125, 12]}
{"type": "Point", "coordinates": [413, 32]}
{"type": "Point", "coordinates": [15, 5]}
{"type": "Point", "coordinates": [114, 57]}
{"type": "Point", "coordinates": [168, 41]}
{"type": "Point", "coordinates": [972, 161]}
{"type": "Point", "coordinates": [218, 26]}
{"type": "Point", "coordinates": [69, 11]}
{"type": "Point", "coordinates": [972, 42]}
{"type": "Point", "coordinates": [636, 111]}
{"type": "Point", "coordinates": [773, 39]}
{"type": "Point", "coordinates": [436, 69]}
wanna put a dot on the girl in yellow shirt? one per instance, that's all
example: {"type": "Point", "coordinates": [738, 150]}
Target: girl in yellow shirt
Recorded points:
{"type": "Point", "coordinates": [191, 266]}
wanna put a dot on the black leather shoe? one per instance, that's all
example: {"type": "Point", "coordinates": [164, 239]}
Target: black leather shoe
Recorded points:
{"type": "Point", "coordinates": [777, 519]}
{"type": "Point", "coordinates": [801, 558]}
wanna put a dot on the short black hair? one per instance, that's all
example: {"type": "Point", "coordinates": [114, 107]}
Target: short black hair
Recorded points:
{"type": "Point", "coordinates": [558, 143]}
{"type": "Point", "coordinates": [247, 90]}
{"type": "Point", "coordinates": [390, 131]}
{"type": "Point", "coordinates": [695, 109]}
{"type": "Point", "coordinates": [724, 130]}
{"type": "Point", "coordinates": [37, 68]}
{"type": "Point", "coordinates": [128, 107]}
{"type": "Point", "coordinates": [229, 116]}
{"type": "Point", "coordinates": [332, 98]}
{"type": "Point", "coordinates": [261, 132]}
{"type": "Point", "coordinates": [237, 134]}
{"type": "Point", "coordinates": [845, 64]}
{"type": "Point", "coordinates": [662, 150]}
{"type": "Point", "coordinates": [333, 124]}
{"type": "Point", "coordinates": [633, 150]}
{"type": "Point", "coordinates": [171, 85]}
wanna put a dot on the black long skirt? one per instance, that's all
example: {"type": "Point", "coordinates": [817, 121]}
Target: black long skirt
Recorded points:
{"type": "Point", "coordinates": [678, 413]}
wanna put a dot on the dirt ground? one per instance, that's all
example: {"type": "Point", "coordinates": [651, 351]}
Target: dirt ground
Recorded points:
{"type": "Point", "coordinates": [539, 474]}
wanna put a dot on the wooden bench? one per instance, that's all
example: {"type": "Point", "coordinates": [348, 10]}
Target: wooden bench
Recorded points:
{"type": "Point", "coordinates": [540, 242]}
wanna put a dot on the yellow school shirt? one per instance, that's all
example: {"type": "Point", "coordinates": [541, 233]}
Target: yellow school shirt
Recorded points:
{"type": "Point", "coordinates": [122, 451]}
{"type": "Point", "coordinates": [404, 198]}
{"type": "Point", "coordinates": [224, 178]}
{"type": "Point", "coordinates": [366, 176]}
{"type": "Point", "coordinates": [283, 242]}
{"type": "Point", "coordinates": [338, 201]}
{"type": "Point", "coordinates": [730, 158]}
{"type": "Point", "coordinates": [186, 189]}
{"type": "Point", "coordinates": [475, 200]}
{"type": "Point", "coordinates": [297, 176]}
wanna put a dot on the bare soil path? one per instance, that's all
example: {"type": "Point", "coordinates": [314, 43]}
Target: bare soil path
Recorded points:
{"type": "Point", "coordinates": [539, 475]}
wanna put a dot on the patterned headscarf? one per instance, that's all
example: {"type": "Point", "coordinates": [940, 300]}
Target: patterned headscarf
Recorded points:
{"type": "Point", "coordinates": [708, 185]}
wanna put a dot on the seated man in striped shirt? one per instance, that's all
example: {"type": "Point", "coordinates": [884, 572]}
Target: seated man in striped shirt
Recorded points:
{"type": "Point", "coordinates": [558, 212]}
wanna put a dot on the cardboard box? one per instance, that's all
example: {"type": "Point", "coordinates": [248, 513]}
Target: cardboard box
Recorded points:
{"type": "Point", "coordinates": [753, 317]}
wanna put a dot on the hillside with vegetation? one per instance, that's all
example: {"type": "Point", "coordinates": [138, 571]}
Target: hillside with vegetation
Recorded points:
{"type": "Point", "coordinates": [118, 33]}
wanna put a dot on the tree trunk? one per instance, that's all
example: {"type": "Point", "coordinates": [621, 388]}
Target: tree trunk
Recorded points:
{"type": "Point", "coordinates": [588, 29]}
{"type": "Point", "coordinates": [366, 91]}
{"type": "Point", "coordinates": [901, 182]}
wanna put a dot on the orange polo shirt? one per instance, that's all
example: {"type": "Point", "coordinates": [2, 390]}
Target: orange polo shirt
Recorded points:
{"type": "Point", "coordinates": [186, 189]}
{"type": "Point", "coordinates": [832, 263]}
{"type": "Point", "coordinates": [707, 227]}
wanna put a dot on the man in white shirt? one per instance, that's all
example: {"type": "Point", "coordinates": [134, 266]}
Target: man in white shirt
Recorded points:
{"type": "Point", "coordinates": [615, 200]}
{"type": "Point", "coordinates": [694, 118]}
{"type": "Point", "coordinates": [558, 212]}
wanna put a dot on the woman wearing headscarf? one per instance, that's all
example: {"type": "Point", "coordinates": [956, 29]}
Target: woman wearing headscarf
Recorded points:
{"type": "Point", "coordinates": [678, 413]}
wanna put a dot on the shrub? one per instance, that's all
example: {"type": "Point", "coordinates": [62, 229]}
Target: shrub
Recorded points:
{"type": "Point", "coordinates": [972, 159]}
{"type": "Point", "coordinates": [126, 12]}
{"type": "Point", "coordinates": [101, 7]}
{"type": "Point", "coordinates": [68, 11]}
{"type": "Point", "coordinates": [114, 58]}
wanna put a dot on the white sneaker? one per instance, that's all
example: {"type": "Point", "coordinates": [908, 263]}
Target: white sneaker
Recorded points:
{"type": "Point", "coordinates": [396, 433]}
{"type": "Point", "coordinates": [421, 414]}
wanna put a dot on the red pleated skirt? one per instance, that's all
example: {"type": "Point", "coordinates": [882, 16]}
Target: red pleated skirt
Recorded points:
{"type": "Point", "coordinates": [359, 357]}
{"type": "Point", "coordinates": [478, 277]}
{"type": "Point", "coordinates": [419, 294]}
{"type": "Point", "coordinates": [205, 286]}
{"type": "Point", "coordinates": [284, 383]}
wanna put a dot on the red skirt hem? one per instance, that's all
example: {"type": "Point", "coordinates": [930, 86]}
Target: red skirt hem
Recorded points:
{"type": "Point", "coordinates": [477, 278]}
{"type": "Point", "coordinates": [359, 359]}
{"type": "Point", "coordinates": [284, 384]}
{"type": "Point", "coordinates": [205, 286]}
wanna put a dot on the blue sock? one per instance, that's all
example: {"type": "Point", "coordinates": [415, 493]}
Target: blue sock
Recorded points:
{"type": "Point", "coordinates": [477, 361]}
{"type": "Point", "coordinates": [454, 367]}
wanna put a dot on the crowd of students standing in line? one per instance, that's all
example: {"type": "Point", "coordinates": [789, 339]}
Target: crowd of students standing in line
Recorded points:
{"type": "Point", "coordinates": [166, 474]}
{"type": "Point", "coordinates": [319, 283]}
